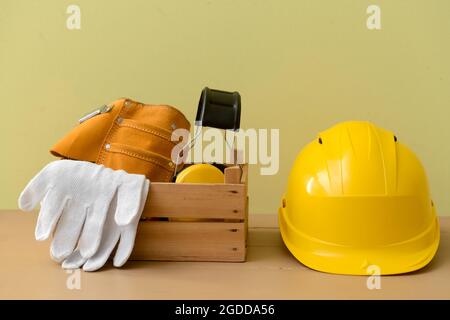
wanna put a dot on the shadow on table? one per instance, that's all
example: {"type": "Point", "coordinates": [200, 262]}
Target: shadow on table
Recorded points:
{"type": "Point", "coordinates": [265, 244]}
{"type": "Point", "coordinates": [440, 260]}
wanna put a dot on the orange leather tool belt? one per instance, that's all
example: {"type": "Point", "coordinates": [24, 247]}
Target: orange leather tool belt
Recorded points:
{"type": "Point", "coordinates": [126, 135]}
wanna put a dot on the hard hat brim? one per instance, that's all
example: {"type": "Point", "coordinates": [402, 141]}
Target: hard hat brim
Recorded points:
{"type": "Point", "coordinates": [402, 257]}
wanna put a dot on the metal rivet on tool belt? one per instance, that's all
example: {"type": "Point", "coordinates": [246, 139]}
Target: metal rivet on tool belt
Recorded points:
{"type": "Point", "coordinates": [171, 164]}
{"type": "Point", "coordinates": [127, 103]}
{"type": "Point", "coordinates": [107, 146]}
{"type": "Point", "coordinates": [173, 126]}
{"type": "Point", "coordinates": [119, 120]}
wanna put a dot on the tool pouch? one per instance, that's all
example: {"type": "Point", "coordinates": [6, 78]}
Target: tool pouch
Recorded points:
{"type": "Point", "coordinates": [126, 135]}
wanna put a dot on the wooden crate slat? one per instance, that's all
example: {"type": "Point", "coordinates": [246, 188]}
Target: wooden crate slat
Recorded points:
{"type": "Point", "coordinates": [190, 241]}
{"type": "Point", "coordinates": [244, 176]}
{"type": "Point", "coordinates": [184, 200]}
{"type": "Point", "coordinates": [233, 174]}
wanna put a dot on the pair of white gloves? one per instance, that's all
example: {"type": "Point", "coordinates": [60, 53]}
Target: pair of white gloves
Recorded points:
{"type": "Point", "coordinates": [89, 209]}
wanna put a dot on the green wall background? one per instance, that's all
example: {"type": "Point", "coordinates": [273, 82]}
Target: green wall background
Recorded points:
{"type": "Point", "coordinates": [301, 66]}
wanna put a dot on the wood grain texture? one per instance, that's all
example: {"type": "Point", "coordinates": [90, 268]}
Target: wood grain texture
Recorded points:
{"type": "Point", "coordinates": [244, 176]}
{"type": "Point", "coordinates": [195, 222]}
{"type": "Point", "coordinates": [233, 175]}
{"type": "Point", "coordinates": [190, 241]}
{"type": "Point", "coordinates": [186, 200]}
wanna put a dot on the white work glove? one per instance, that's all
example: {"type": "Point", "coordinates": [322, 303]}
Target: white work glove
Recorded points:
{"type": "Point", "coordinates": [112, 232]}
{"type": "Point", "coordinates": [76, 198]}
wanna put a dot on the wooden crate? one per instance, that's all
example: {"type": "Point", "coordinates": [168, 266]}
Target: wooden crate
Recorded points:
{"type": "Point", "coordinates": [195, 222]}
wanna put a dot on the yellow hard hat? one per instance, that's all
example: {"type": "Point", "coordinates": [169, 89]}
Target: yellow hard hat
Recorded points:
{"type": "Point", "coordinates": [200, 173]}
{"type": "Point", "coordinates": [356, 198]}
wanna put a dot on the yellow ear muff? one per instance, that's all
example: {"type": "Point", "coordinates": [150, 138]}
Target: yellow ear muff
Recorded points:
{"type": "Point", "coordinates": [200, 173]}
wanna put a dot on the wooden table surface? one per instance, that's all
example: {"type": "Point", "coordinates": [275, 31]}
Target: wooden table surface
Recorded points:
{"type": "Point", "coordinates": [27, 272]}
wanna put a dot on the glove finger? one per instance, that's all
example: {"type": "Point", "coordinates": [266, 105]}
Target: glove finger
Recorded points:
{"type": "Point", "coordinates": [35, 190]}
{"type": "Point", "coordinates": [67, 232]}
{"type": "Point", "coordinates": [111, 235]}
{"type": "Point", "coordinates": [128, 234]}
{"type": "Point", "coordinates": [107, 245]}
{"type": "Point", "coordinates": [74, 261]}
{"type": "Point", "coordinates": [99, 259]}
{"type": "Point", "coordinates": [93, 228]}
{"type": "Point", "coordinates": [51, 209]}
{"type": "Point", "coordinates": [129, 198]}
{"type": "Point", "coordinates": [126, 244]}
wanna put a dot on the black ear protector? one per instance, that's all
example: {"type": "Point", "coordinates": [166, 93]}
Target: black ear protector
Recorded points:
{"type": "Point", "coordinates": [216, 109]}
{"type": "Point", "coordinates": [219, 109]}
